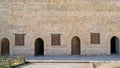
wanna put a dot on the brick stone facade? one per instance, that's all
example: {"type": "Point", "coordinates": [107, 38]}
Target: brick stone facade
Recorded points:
{"type": "Point", "coordinates": [69, 18]}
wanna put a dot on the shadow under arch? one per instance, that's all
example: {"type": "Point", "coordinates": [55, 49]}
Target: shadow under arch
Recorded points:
{"type": "Point", "coordinates": [114, 45]}
{"type": "Point", "coordinates": [39, 47]}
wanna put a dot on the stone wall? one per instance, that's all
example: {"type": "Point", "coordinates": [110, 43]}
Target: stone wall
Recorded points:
{"type": "Point", "coordinates": [41, 18]}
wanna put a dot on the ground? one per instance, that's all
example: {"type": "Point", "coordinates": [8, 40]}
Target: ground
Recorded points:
{"type": "Point", "coordinates": [112, 61]}
{"type": "Point", "coordinates": [56, 65]}
{"type": "Point", "coordinates": [72, 65]}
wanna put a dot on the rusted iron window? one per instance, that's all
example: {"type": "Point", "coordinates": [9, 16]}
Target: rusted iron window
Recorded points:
{"type": "Point", "coordinates": [95, 38]}
{"type": "Point", "coordinates": [19, 39]}
{"type": "Point", "coordinates": [55, 39]}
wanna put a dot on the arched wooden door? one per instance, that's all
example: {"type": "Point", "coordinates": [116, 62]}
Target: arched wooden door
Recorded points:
{"type": "Point", "coordinates": [75, 46]}
{"type": "Point", "coordinates": [114, 45]}
{"type": "Point", "coordinates": [39, 47]}
{"type": "Point", "coordinates": [4, 46]}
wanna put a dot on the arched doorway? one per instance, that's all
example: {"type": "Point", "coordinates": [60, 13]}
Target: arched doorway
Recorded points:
{"type": "Point", "coordinates": [75, 46]}
{"type": "Point", "coordinates": [114, 45]}
{"type": "Point", "coordinates": [4, 46]}
{"type": "Point", "coordinates": [39, 47]}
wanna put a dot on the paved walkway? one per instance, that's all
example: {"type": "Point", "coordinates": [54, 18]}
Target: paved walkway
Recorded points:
{"type": "Point", "coordinates": [72, 58]}
{"type": "Point", "coordinates": [72, 65]}
{"type": "Point", "coordinates": [57, 65]}
{"type": "Point", "coordinates": [112, 61]}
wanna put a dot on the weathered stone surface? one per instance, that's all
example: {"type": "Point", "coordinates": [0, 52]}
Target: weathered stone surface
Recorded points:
{"type": "Point", "coordinates": [41, 18]}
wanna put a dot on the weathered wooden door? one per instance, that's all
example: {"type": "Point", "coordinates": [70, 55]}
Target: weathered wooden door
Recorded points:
{"type": "Point", "coordinates": [5, 46]}
{"type": "Point", "coordinates": [75, 46]}
{"type": "Point", "coordinates": [39, 47]}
